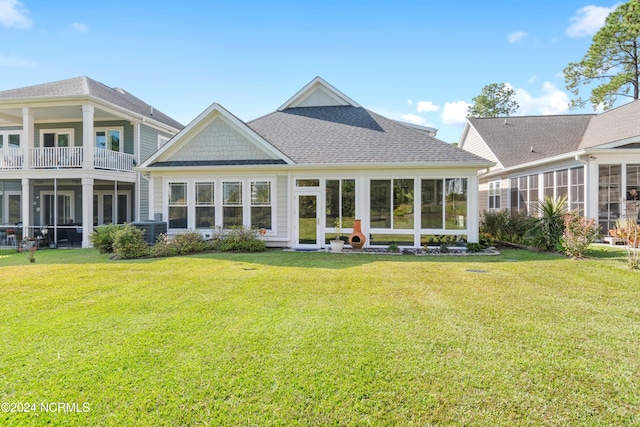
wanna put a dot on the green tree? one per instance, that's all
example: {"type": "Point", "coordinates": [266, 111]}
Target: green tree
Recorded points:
{"type": "Point", "coordinates": [612, 61]}
{"type": "Point", "coordinates": [495, 100]}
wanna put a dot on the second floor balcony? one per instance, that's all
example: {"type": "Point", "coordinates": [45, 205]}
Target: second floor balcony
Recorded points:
{"type": "Point", "coordinates": [64, 158]}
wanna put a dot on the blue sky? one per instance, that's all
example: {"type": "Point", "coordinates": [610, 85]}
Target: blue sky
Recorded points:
{"type": "Point", "coordinates": [418, 61]}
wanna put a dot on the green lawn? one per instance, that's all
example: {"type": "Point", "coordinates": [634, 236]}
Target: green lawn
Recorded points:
{"type": "Point", "coordinates": [320, 339]}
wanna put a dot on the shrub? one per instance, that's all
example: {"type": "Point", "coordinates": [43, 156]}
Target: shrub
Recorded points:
{"type": "Point", "coordinates": [628, 229]}
{"type": "Point", "coordinates": [128, 242]}
{"type": "Point", "coordinates": [102, 237]}
{"type": "Point", "coordinates": [505, 226]}
{"type": "Point", "coordinates": [188, 242]}
{"type": "Point", "coordinates": [237, 239]}
{"type": "Point", "coordinates": [163, 246]}
{"type": "Point", "coordinates": [579, 233]}
{"type": "Point", "coordinates": [547, 228]}
{"type": "Point", "coordinates": [474, 247]}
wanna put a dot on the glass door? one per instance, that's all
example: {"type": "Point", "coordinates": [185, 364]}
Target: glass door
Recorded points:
{"type": "Point", "coordinates": [307, 221]}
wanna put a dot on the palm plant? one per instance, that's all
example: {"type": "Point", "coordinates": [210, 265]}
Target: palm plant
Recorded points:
{"type": "Point", "coordinates": [547, 228]}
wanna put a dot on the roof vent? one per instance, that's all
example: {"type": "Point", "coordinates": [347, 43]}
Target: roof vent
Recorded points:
{"type": "Point", "coordinates": [119, 89]}
{"type": "Point", "coordinates": [505, 122]}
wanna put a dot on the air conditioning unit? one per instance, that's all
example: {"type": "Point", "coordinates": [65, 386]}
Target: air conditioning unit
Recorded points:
{"type": "Point", "coordinates": [152, 229]}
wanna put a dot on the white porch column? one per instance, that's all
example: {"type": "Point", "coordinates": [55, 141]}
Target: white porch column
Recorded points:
{"type": "Point", "coordinates": [26, 206]}
{"type": "Point", "coordinates": [28, 134]}
{"type": "Point", "coordinates": [87, 211]}
{"type": "Point", "coordinates": [473, 210]}
{"type": "Point", "coordinates": [591, 190]}
{"type": "Point", "coordinates": [88, 139]}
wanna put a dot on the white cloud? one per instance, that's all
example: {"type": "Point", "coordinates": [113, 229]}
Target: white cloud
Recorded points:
{"type": "Point", "coordinates": [516, 36]}
{"type": "Point", "coordinates": [426, 106]}
{"type": "Point", "coordinates": [12, 61]}
{"type": "Point", "coordinates": [409, 102]}
{"type": "Point", "coordinates": [551, 101]}
{"type": "Point", "coordinates": [455, 113]}
{"type": "Point", "coordinates": [13, 14]}
{"type": "Point", "coordinates": [79, 27]}
{"type": "Point", "coordinates": [532, 80]}
{"type": "Point", "coordinates": [588, 20]}
{"type": "Point", "coordinates": [415, 119]}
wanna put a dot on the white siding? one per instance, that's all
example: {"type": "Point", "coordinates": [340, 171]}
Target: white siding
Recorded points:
{"type": "Point", "coordinates": [282, 184]}
{"type": "Point", "coordinates": [320, 98]}
{"type": "Point", "coordinates": [219, 141]}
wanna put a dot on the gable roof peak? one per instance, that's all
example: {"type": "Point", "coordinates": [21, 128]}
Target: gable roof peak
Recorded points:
{"type": "Point", "coordinates": [318, 93]}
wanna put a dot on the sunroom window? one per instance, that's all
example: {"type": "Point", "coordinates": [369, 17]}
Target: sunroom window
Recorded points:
{"type": "Point", "coordinates": [178, 205]}
{"type": "Point", "coordinates": [261, 205]}
{"type": "Point", "coordinates": [232, 204]}
{"type": "Point", "coordinates": [205, 206]}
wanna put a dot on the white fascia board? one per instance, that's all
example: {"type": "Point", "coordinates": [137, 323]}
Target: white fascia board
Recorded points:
{"type": "Point", "coordinates": [63, 101]}
{"type": "Point", "coordinates": [333, 167]}
{"type": "Point", "coordinates": [615, 144]}
{"type": "Point", "coordinates": [312, 84]}
{"type": "Point", "coordinates": [564, 156]}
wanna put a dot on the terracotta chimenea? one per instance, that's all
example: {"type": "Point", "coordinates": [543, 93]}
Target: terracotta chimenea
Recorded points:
{"type": "Point", "coordinates": [357, 239]}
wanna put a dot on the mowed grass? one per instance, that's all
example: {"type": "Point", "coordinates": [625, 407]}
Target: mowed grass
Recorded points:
{"type": "Point", "coordinates": [320, 339]}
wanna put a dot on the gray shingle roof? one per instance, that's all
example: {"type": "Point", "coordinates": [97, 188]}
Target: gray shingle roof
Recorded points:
{"type": "Point", "coordinates": [613, 125]}
{"type": "Point", "coordinates": [347, 134]}
{"type": "Point", "coordinates": [80, 86]}
{"type": "Point", "coordinates": [548, 135]}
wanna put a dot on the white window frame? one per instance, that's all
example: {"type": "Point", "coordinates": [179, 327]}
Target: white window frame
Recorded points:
{"type": "Point", "coordinates": [105, 130]}
{"type": "Point", "coordinates": [162, 140]}
{"type": "Point", "coordinates": [5, 134]}
{"type": "Point", "coordinates": [262, 205]}
{"type": "Point", "coordinates": [197, 205]}
{"type": "Point", "coordinates": [218, 199]}
{"type": "Point", "coordinates": [57, 132]}
{"type": "Point", "coordinates": [495, 194]}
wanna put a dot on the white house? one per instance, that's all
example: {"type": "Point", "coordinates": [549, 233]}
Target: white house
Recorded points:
{"type": "Point", "coordinates": [318, 158]}
{"type": "Point", "coordinates": [592, 159]}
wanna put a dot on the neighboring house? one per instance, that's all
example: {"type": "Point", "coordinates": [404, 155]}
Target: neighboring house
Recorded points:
{"type": "Point", "coordinates": [319, 158]}
{"type": "Point", "coordinates": [592, 159]}
{"type": "Point", "coordinates": [67, 155]}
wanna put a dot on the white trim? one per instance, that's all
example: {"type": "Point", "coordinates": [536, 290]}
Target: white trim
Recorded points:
{"type": "Point", "coordinates": [106, 129]}
{"type": "Point", "coordinates": [57, 133]}
{"type": "Point", "coordinates": [215, 111]}
{"type": "Point", "coordinates": [161, 141]}
{"type": "Point", "coordinates": [317, 83]}
{"type": "Point", "coordinates": [218, 182]}
{"type": "Point", "coordinates": [6, 133]}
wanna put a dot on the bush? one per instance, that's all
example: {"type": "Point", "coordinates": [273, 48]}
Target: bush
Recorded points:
{"type": "Point", "coordinates": [102, 238]}
{"type": "Point", "coordinates": [579, 233]}
{"type": "Point", "coordinates": [474, 247]}
{"type": "Point", "coordinates": [547, 228]}
{"type": "Point", "coordinates": [128, 242]}
{"type": "Point", "coordinates": [238, 239]}
{"type": "Point", "coordinates": [188, 242]}
{"type": "Point", "coordinates": [163, 246]}
{"type": "Point", "coordinates": [505, 226]}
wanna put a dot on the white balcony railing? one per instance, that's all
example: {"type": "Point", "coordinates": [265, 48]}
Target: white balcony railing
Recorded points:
{"type": "Point", "coordinates": [11, 158]}
{"type": "Point", "coordinates": [56, 157]}
{"type": "Point", "coordinates": [113, 160]}
{"type": "Point", "coordinates": [65, 158]}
